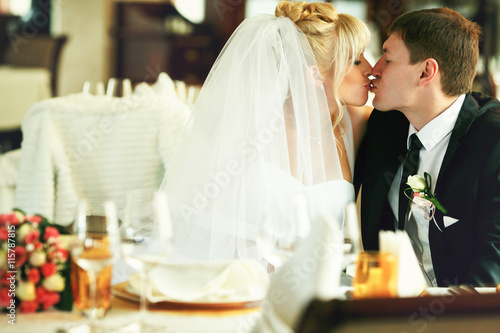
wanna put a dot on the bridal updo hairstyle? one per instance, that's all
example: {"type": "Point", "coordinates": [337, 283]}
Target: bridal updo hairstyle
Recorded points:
{"type": "Point", "coordinates": [337, 40]}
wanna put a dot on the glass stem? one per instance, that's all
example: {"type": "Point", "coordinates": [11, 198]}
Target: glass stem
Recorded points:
{"type": "Point", "coordinates": [144, 294]}
{"type": "Point", "coordinates": [92, 296]}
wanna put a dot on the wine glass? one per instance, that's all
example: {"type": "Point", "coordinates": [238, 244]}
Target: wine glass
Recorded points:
{"type": "Point", "coordinates": [146, 240]}
{"type": "Point", "coordinates": [94, 249]}
{"type": "Point", "coordinates": [352, 238]}
{"type": "Point", "coordinates": [282, 231]}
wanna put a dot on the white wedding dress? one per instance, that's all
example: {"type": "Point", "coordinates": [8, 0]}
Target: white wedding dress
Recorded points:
{"type": "Point", "coordinates": [260, 132]}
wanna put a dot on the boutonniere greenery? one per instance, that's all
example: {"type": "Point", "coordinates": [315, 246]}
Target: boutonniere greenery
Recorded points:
{"type": "Point", "coordinates": [422, 193]}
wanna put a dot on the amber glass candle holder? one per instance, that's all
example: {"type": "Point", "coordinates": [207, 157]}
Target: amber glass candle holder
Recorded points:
{"type": "Point", "coordinates": [376, 275]}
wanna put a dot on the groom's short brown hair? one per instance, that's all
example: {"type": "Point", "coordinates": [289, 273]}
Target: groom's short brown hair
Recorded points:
{"type": "Point", "coordinates": [446, 36]}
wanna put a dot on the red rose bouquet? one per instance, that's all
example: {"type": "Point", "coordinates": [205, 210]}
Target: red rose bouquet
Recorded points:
{"type": "Point", "coordinates": [33, 264]}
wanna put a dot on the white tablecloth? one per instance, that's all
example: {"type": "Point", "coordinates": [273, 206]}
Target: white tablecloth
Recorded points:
{"type": "Point", "coordinates": [20, 88]}
{"type": "Point", "coordinates": [123, 312]}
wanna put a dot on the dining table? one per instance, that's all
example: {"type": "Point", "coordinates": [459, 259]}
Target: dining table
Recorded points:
{"type": "Point", "coordinates": [124, 313]}
{"type": "Point", "coordinates": [438, 311]}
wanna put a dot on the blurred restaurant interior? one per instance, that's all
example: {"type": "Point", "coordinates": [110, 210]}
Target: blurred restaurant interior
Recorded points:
{"type": "Point", "coordinates": [56, 49]}
{"type": "Point", "coordinates": [95, 40]}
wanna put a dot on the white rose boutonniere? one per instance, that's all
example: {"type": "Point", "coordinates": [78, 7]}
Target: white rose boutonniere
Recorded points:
{"type": "Point", "coordinates": [417, 183]}
{"type": "Point", "coordinates": [421, 188]}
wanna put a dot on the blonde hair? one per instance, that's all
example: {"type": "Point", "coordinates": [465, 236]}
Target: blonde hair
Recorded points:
{"type": "Point", "coordinates": [337, 40]}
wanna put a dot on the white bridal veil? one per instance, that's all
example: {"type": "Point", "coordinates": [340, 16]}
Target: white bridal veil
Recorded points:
{"type": "Point", "coordinates": [260, 129]}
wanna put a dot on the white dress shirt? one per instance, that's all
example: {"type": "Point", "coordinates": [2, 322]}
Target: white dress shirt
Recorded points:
{"type": "Point", "coordinates": [435, 137]}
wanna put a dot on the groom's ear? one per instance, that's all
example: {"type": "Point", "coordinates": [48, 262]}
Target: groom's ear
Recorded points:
{"type": "Point", "coordinates": [430, 68]}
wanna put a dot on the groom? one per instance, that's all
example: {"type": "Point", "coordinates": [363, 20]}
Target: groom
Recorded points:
{"type": "Point", "coordinates": [439, 128]}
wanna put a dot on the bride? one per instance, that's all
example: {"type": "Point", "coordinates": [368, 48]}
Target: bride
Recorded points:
{"type": "Point", "coordinates": [272, 120]}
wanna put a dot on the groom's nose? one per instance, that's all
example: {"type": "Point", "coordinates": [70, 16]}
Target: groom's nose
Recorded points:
{"type": "Point", "coordinates": [367, 72]}
{"type": "Point", "coordinates": [377, 69]}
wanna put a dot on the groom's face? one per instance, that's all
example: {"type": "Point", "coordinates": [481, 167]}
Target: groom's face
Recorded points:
{"type": "Point", "coordinates": [396, 79]}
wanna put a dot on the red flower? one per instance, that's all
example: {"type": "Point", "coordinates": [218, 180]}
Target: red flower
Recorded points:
{"type": "Point", "coordinates": [5, 278]}
{"type": "Point", "coordinates": [32, 236]}
{"type": "Point", "coordinates": [28, 306]}
{"type": "Point", "coordinates": [50, 299]}
{"type": "Point", "coordinates": [48, 269]}
{"type": "Point", "coordinates": [50, 232]}
{"type": "Point", "coordinates": [34, 275]}
{"type": "Point", "coordinates": [4, 297]}
{"type": "Point", "coordinates": [20, 255]}
{"type": "Point", "coordinates": [46, 298]}
{"type": "Point", "coordinates": [40, 293]}
{"type": "Point", "coordinates": [38, 246]}
{"type": "Point", "coordinates": [4, 234]}
{"type": "Point", "coordinates": [58, 255]}
{"type": "Point", "coordinates": [9, 218]}
{"type": "Point", "coordinates": [33, 218]}
{"type": "Point", "coordinates": [3, 219]}
{"type": "Point", "coordinates": [63, 255]}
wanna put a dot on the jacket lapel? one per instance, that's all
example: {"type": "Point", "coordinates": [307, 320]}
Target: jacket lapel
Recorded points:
{"type": "Point", "coordinates": [395, 149]}
{"type": "Point", "coordinates": [464, 120]}
{"type": "Point", "coordinates": [376, 168]}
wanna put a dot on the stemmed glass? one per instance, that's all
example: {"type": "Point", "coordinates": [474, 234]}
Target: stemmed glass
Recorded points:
{"type": "Point", "coordinates": [352, 236]}
{"type": "Point", "coordinates": [281, 232]}
{"type": "Point", "coordinates": [146, 240]}
{"type": "Point", "coordinates": [95, 248]}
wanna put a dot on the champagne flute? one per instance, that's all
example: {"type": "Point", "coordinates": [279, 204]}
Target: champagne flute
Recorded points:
{"type": "Point", "coordinates": [282, 232]}
{"type": "Point", "coordinates": [94, 249]}
{"type": "Point", "coordinates": [146, 240]}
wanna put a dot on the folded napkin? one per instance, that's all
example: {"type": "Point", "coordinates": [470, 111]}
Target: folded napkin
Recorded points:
{"type": "Point", "coordinates": [411, 281]}
{"type": "Point", "coordinates": [313, 272]}
{"type": "Point", "coordinates": [206, 282]}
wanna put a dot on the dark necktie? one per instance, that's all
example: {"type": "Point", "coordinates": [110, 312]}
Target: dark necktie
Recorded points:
{"type": "Point", "coordinates": [410, 168]}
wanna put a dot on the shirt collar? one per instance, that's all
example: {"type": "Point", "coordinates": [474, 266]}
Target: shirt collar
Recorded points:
{"type": "Point", "coordinates": [438, 128]}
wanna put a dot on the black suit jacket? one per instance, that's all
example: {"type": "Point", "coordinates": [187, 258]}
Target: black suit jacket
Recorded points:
{"type": "Point", "coordinates": [468, 186]}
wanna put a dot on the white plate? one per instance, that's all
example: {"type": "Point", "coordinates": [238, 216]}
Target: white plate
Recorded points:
{"type": "Point", "coordinates": [124, 291]}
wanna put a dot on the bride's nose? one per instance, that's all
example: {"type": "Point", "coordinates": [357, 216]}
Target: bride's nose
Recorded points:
{"type": "Point", "coordinates": [367, 71]}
